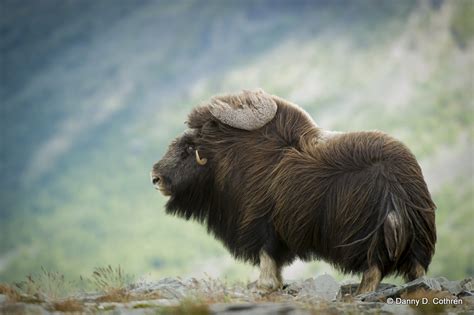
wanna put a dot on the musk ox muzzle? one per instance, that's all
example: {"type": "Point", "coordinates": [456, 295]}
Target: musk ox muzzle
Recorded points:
{"type": "Point", "coordinates": [273, 187]}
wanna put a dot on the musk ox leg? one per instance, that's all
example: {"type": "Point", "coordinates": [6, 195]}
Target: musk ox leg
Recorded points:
{"type": "Point", "coordinates": [416, 271]}
{"type": "Point", "coordinates": [270, 273]}
{"type": "Point", "coordinates": [370, 280]}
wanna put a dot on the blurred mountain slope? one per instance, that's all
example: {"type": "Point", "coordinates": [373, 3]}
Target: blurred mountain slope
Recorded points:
{"type": "Point", "coordinates": [92, 93]}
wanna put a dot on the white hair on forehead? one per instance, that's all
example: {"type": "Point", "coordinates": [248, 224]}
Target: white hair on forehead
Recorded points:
{"type": "Point", "coordinates": [248, 110]}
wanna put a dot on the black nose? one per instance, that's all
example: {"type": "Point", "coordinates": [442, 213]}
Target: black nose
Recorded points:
{"type": "Point", "coordinates": [155, 179]}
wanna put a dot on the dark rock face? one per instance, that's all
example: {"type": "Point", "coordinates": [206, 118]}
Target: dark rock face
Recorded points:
{"type": "Point", "coordinates": [322, 294]}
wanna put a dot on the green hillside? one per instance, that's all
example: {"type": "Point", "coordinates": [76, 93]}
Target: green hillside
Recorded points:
{"type": "Point", "coordinates": [93, 92]}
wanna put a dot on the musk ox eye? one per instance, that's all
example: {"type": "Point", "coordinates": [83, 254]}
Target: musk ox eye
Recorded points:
{"type": "Point", "coordinates": [190, 149]}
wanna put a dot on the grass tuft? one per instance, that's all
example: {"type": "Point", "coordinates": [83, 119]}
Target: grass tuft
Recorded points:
{"type": "Point", "coordinates": [11, 294]}
{"type": "Point", "coordinates": [110, 279]}
{"type": "Point", "coordinates": [46, 285]}
{"type": "Point", "coordinates": [113, 283]}
{"type": "Point", "coordinates": [210, 291]}
{"type": "Point", "coordinates": [119, 295]}
{"type": "Point", "coordinates": [68, 305]}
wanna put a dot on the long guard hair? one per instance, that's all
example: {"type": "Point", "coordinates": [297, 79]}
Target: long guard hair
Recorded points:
{"type": "Point", "coordinates": [355, 200]}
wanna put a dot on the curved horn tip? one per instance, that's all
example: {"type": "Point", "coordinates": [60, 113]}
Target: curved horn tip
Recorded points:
{"type": "Point", "coordinates": [199, 160]}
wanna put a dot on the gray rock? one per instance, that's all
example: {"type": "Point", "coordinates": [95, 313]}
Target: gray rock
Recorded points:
{"type": "Point", "coordinates": [122, 310]}
{"type": "Point", "coordinates": [458, 288]}
{"type": "Point", "coordinates": [453, 287]}
{"type": "Point", "coordinates": [22, 308]}
{"type": "Point", "coordinates": [422, 283]}
{"type": "Point", "coordinates": [382, 295]}
{"type": "Point", "coordinates": [298, 297]}
{"type": "Point", "coordinates": [324, 287]}
{"type": "Point", "coordinates": [3, 298]}
{"type": "Point", "coordinates": [106, 305]}
{"type": "Point", "coordinates": [169, 288]}
{"type": "Point", "coordinates": [467, 285]}
{"type": "Point", "coordinates": [221, 308]}
{"type": "Point", "coordinates": [257, 309]}
{"type": "Point", "coordinates": [351, 289]}
{"type": "Point", "coordinates": [165, 302]}
{"type": "Point", "coordinates": [293, 287]}
{"type": "Point", "coordinates": [90, 297]}
{"type": "Point", "coordinates": [347, 289]}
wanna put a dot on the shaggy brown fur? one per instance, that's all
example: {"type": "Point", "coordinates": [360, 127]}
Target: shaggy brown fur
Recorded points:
{"type": "Point", "coordinates": [357, 200]}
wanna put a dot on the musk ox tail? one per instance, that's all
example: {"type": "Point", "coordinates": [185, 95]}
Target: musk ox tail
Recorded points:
{"type": "Point", "coordinates": [409, 230]}
{"type": "Point", "coordinates": [395, 228]}
{"type": "Point", "coordinates": [406, 230]}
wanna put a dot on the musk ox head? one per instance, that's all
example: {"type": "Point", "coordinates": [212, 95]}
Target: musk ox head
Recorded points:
{"type": "Point", "coordinates": [186, 166]}
{"type": "Point", "coordinates": [180, 167]}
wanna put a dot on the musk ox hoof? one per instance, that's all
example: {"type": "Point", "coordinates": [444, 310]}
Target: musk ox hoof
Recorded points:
{"type": "Point", "coordinates": [269, 284]}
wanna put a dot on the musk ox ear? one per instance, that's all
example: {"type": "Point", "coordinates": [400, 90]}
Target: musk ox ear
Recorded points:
{"type": "Point", "coordinates": [248, 110]}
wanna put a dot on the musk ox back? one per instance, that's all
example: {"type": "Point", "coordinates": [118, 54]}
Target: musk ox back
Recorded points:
{"type": "Point", "coordinates": [273, 186]}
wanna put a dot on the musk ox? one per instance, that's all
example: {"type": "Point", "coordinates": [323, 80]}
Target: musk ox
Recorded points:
{"type": "Point", "coordinates": [273, 186]}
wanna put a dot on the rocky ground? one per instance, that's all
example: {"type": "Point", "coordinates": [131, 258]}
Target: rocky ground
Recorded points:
{"type": "Point", "coordinates": [320, 295]}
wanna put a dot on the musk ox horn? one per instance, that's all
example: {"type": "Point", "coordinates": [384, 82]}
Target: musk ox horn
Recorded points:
{"type": "Point", "coordinates": [199, 160]}
{"type": "Point", "coordinates": [248, 110]}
